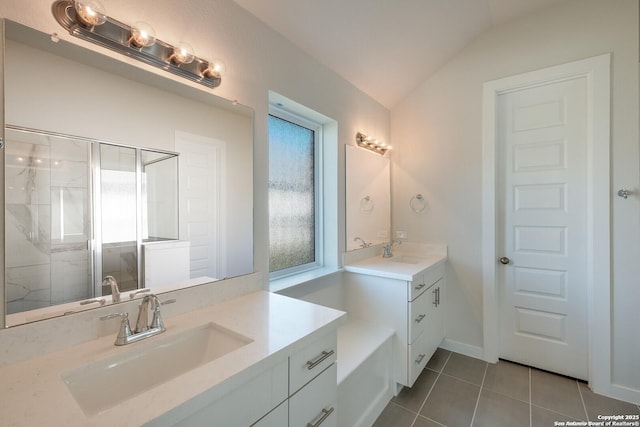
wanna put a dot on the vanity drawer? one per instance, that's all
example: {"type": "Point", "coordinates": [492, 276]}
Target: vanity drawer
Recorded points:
{"type": "Point", "coordinates": [418, 355]}
{"type": "Point", "coordinates": [309, 362]}
{"type": "Point", "coordinates": [424, 280]}
{"type": "Point", "coordinates": [316, 403]}
{"type": "Point", "coordinates": [420, 314]}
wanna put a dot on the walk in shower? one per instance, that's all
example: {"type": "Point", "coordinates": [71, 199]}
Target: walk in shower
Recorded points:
{"type": "Point", "coordinates": [77, 210]}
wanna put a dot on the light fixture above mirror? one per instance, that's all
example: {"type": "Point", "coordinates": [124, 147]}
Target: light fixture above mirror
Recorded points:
{"type": "Point", "coordinates": [371, 143]}
{"type": "Point", "coordinates": [186, 120]}
{"type": "Point", "coordinates": [87, 20]}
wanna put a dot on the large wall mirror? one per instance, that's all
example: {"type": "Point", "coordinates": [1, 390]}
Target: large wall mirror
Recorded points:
{"type": "Point", "coordinates": [368, 198]}
{"type": "Point", "coordinates": [114, 172]}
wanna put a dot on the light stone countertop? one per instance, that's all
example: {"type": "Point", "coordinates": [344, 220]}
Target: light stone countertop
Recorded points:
{"type": "Point", "coordinates": [33, 393]}
{"type": "Point", "coordinates": [421, 257]}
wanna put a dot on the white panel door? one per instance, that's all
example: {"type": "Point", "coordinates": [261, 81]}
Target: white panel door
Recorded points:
{"type": "Point", "coordinates": [200, 171]}
{"type": "Point", "coordinates": [542, 221]}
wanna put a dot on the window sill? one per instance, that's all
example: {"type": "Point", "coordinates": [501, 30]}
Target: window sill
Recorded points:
{"type": "Point", "coordinates": [282, 283]}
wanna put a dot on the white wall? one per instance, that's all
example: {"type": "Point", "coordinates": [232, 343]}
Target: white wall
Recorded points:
{"type": "Point", "coordinates": [258, 60]}
{"type": "Point", "coordinates": [437, 136]}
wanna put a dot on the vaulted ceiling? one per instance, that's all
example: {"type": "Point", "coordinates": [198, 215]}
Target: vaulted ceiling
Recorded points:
{"type": "Point", "coordinates": [386, 48]}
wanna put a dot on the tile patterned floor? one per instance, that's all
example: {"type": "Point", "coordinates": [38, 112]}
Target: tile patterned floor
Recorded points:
{"type": "Point", "coordinates": [459, 391]}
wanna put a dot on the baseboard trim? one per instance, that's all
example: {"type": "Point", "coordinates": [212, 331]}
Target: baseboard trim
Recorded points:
{"type": "Point", "coordinates": [621, 392]}
{"type": "Point", "coordinates": [462, 348]}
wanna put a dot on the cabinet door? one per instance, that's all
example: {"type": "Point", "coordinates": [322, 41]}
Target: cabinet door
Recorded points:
{"type": "Point", "coordinates": [305, 364]}
{"type": "Point", "coordinates": [316, 403]}
{"type": "Point", "coordinates": [435, 326]}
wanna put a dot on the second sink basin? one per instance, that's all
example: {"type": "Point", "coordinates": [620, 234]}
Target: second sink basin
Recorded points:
{"type": "Point", "coordinates": [105, 383]}
{"type": "Point", "coordinates": [405, 259]}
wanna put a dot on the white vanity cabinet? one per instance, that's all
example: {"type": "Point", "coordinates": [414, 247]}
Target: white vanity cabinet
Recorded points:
{"type": "Point", "coordinates": [299, 390]}
{"type": "Point", "coordinates": [425, 324]}
{"type": "Point", "coordinates": [413, 308]}
{"type": "Point", "coordinates": [243, 406]}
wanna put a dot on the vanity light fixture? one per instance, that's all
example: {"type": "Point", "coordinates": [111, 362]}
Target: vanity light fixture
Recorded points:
{"type": "Point", "coordinates": [371, 143]}
{"type": "Point", "coordinates": [87, 20]}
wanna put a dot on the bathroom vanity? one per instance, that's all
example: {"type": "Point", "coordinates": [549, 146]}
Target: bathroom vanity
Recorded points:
{"type": "Point", "coordinates": [258, 359]}
{"type": "Point", "coordinates": [404, 292]}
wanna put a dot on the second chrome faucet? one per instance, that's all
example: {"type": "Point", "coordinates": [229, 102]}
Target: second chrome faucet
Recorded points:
{"type": "Point", "coordinates": [387, 250]}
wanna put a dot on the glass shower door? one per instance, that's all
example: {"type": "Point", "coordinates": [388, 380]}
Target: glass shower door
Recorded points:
{"type": "Point", "coordinates": [117, 208]}
{"type": "Point", "coordinates": [47, 219]}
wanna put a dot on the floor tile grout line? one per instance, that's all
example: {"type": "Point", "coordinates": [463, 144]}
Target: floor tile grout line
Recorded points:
{"type": "Point", "coordinates": [473, 418]}
{"type": "Point", "coordinates": [584, 406]}
{"type": "Point", "coordinates": [427, 418]}
{"type": "Point", "coordinates": [466, 381]}
{"type": "Point", "coordinates": [556, 412]}
{"type": "Point", "coordinates": [430, 389]}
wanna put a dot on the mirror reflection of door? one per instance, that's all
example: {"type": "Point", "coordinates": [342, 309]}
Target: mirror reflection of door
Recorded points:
{"type": "Point", "coordinates": [202, 203]}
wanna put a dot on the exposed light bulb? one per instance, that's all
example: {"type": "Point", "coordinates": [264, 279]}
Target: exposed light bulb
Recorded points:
{"type": "Point", "coordinates": [216, 69]}
{"type": "Point", "coordinates": [182, 54]}
{"type": "Point", "coordinates": [142, 35]}
{"type": "Point", "coordinates": [90, 12]}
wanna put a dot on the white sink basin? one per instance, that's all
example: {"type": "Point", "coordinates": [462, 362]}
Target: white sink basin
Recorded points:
{"type": "Point", "coordinates": [105, 383]}
{"type": "Point", "coordinates": [405, 259]}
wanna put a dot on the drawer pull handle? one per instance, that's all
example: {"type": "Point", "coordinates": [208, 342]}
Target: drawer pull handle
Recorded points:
{"type": "Point", "coordinates": [325, 414]}
{"type": "Point", "coordinates": [420, 286]}
{"type": "Point", "coordinates": [420, 358]}
{"type": "Point", "coordinates": [419, 318]}
{"type": "Point", "coordinates": [313, 363]}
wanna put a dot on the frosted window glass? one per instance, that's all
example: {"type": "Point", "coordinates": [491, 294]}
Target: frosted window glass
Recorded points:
{"type": "Point", "coordinates": [291, 195]}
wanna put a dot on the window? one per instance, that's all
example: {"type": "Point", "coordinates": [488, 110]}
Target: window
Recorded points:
{"type": "Point", "coordinates": [294, 203]}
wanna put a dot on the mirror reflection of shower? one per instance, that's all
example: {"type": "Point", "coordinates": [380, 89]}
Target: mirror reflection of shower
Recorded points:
{"type": "Point", "coordinates": [78, 210]}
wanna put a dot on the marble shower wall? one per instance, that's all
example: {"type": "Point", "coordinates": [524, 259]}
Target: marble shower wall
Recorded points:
{"type": "Point", "coordinates": [47, 220]}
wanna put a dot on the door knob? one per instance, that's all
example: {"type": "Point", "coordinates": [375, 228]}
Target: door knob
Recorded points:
{"type": "Point", "coordinates": [504, 260]}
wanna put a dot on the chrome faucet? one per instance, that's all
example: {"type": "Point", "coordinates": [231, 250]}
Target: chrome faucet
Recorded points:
{"type": "Point", "coordinates": [387, 249]}
{"type": "Point", "coordinates": [143, 324]}
{"type": "Point", "coordinates": [144, 328]}
{"type": "Point", "coordinates": [363, 244]}
{"type": "Point", "coordinates": [115, 292]}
